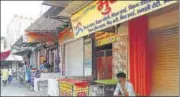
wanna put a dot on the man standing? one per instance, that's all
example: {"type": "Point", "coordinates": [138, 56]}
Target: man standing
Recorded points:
{"type": "Point", "coordinates": [124, 87]}
{"type": "Point", "coordinates": [10, 76]}
{"type": "Point", "coordinates": [5, 75]}
{"type": "Point", "coordinates": [42, 67]}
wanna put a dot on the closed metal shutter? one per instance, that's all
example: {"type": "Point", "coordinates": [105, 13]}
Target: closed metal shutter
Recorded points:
{"type": "Point", "coordinates": [165, 70]}
{"type": "Point", "coordinates": [74, 58]}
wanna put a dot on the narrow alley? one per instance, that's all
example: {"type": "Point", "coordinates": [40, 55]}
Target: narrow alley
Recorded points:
{"type": "Point", "coordinates": [17, 89]}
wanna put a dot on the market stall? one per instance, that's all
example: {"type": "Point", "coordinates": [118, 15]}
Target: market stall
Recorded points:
{"type": "Point", "coordinates": [70, 87]}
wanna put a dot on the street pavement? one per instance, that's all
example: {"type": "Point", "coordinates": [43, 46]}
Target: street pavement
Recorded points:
{"type": "Point", "coordinates": [17, 89]}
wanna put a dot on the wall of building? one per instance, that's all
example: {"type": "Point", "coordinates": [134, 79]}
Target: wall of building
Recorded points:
{"type": "Point", "coordinates": [120, 50]}
{"type": "Point", "coordinates": [164, 19]}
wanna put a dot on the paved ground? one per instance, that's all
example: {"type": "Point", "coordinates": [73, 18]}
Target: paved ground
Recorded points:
{"type": "Point", "coordinates": [17, 89]}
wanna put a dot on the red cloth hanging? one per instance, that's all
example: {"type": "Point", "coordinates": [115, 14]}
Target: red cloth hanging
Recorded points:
{"type": "Point", "coordinates": [139, 61]}
{"type": "Point", "coordinates": [4, 55]}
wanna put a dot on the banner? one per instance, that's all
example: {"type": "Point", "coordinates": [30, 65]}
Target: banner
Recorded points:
{"type": "Point", "coordinates": [103, 14]}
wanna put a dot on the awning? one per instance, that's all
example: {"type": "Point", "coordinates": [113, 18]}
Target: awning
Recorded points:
{"type": "Point", "coordinates": [19, 41]}
{"type": "Point", "coordinates": [56, 3]}
{"type": "Point", "coordinates": [44, 25]}
{"type": "Point", "coordinates": [39, 37]}
{"type": "Point", "coordinates": [4, 62]}
{"type": "Point", "coordinates": [73, 7]}
{"type": "Point", "coordinates": [29, 44]}
{"type": "Point", "coordinates": [70, 7]}
{"type": "Point", "coordinates": [12, 57]}
{"type": "Point", "coordinates": [48, 22]}
{"type": "Point", "coordinates": [4, 55]}
{"type": "Point", "coordinates": [23, 52]}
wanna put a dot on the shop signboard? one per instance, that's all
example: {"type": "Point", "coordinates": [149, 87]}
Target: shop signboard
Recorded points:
{"type": "Point", "coordinates": [102, 14]}
{"type": "Point", "coordinates": [80, 91]}
{"type": "Point", "coordinates": [103, 38]}
{"type": "Point", "coordinates": [69, 87]}
{"type": "Point", "coordinates": [65, 89]}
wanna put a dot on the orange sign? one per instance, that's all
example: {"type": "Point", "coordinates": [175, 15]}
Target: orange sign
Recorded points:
{"type": "Point", "coordinates": [36, 37]}
{"type": "Point", "coordinates": [65, 35]}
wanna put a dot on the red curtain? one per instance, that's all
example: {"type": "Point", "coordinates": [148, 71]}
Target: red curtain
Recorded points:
{"type": "Point", "coordinates": [139, 59]}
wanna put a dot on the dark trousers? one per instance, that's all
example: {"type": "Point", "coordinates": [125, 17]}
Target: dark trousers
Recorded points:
{"type": "Point", "coordinates": [10, 79]}
{"type": "Point", "coordinates": [4, 82]}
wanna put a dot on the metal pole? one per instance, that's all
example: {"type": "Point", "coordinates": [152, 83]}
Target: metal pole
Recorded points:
{"type": "Point", "coordinates": [57, 60]}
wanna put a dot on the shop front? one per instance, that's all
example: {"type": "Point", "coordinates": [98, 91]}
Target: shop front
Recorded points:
{"type": "Point", "coordinates": [163, 38]}
{"type": "Point", "coordinates": [76, 54]}
{"type": "Point", "coordinates": [47, 51]}
{"type": "Point", "coordinates": [74, 58]}
{"type": "Point", "coordinates": [104, 54]}
{"type": "Point", "coordinates": [142, 35]}
{"type": "Point", "coordinates": [64, 37]}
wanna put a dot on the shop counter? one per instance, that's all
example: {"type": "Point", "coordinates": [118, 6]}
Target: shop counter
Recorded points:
{"type": "Point", "coordinates": [53, 87]}
{"type": "Point", "coordinates": [37, 81]}
{"type": "Point", "coordinates": [103, 88]}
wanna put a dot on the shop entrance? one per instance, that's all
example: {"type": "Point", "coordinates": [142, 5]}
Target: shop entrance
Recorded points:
{"type": "Point", "coordinates": [51, 61]}
{"type": "Point", "coordinates": [104, 62]}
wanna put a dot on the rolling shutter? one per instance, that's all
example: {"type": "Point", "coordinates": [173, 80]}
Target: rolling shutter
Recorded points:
{"type": "Point", "coordinates": [165, 70]}
{"type": "Point", "coordinates": [74, 58]}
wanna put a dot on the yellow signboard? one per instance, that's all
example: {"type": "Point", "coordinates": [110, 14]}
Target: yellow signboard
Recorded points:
{"type": "Point", "coordinates": [66, 89]}
{"type": "Point", "coordinates": [105, 13]}
{"type": "Point", "coordinates": [106, 41]}
{"type": "Point", "coordinates": [103, 38]}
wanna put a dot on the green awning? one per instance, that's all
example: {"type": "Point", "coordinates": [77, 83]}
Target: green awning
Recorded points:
{"type": "Point", "coordinates": [23, 52]}
{"type": "Point", "coordinates": [29, 44]}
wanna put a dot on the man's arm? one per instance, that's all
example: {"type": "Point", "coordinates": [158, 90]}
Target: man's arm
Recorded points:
{"type": "Point", "coordinates": [125, 91]}
{"type": "Point", "coordinates": [116, 92]}
{"type": "Point", "coordinates": [129, 91]}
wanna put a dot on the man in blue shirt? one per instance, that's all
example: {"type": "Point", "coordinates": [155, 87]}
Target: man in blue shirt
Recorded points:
{"type": "Point", "coordinates": [42, 66]}
{"type": "Point", "coordinates": [124, 87]}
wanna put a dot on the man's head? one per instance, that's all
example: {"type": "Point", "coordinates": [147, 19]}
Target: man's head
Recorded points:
{"type": "Point", "coordinates": [44, 61]}
{"type": "Point", "coordinates": [121, 76]}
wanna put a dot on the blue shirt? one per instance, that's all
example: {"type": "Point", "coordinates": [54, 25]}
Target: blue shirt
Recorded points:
{"type": "Point", "coordinates": [41, 67]}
